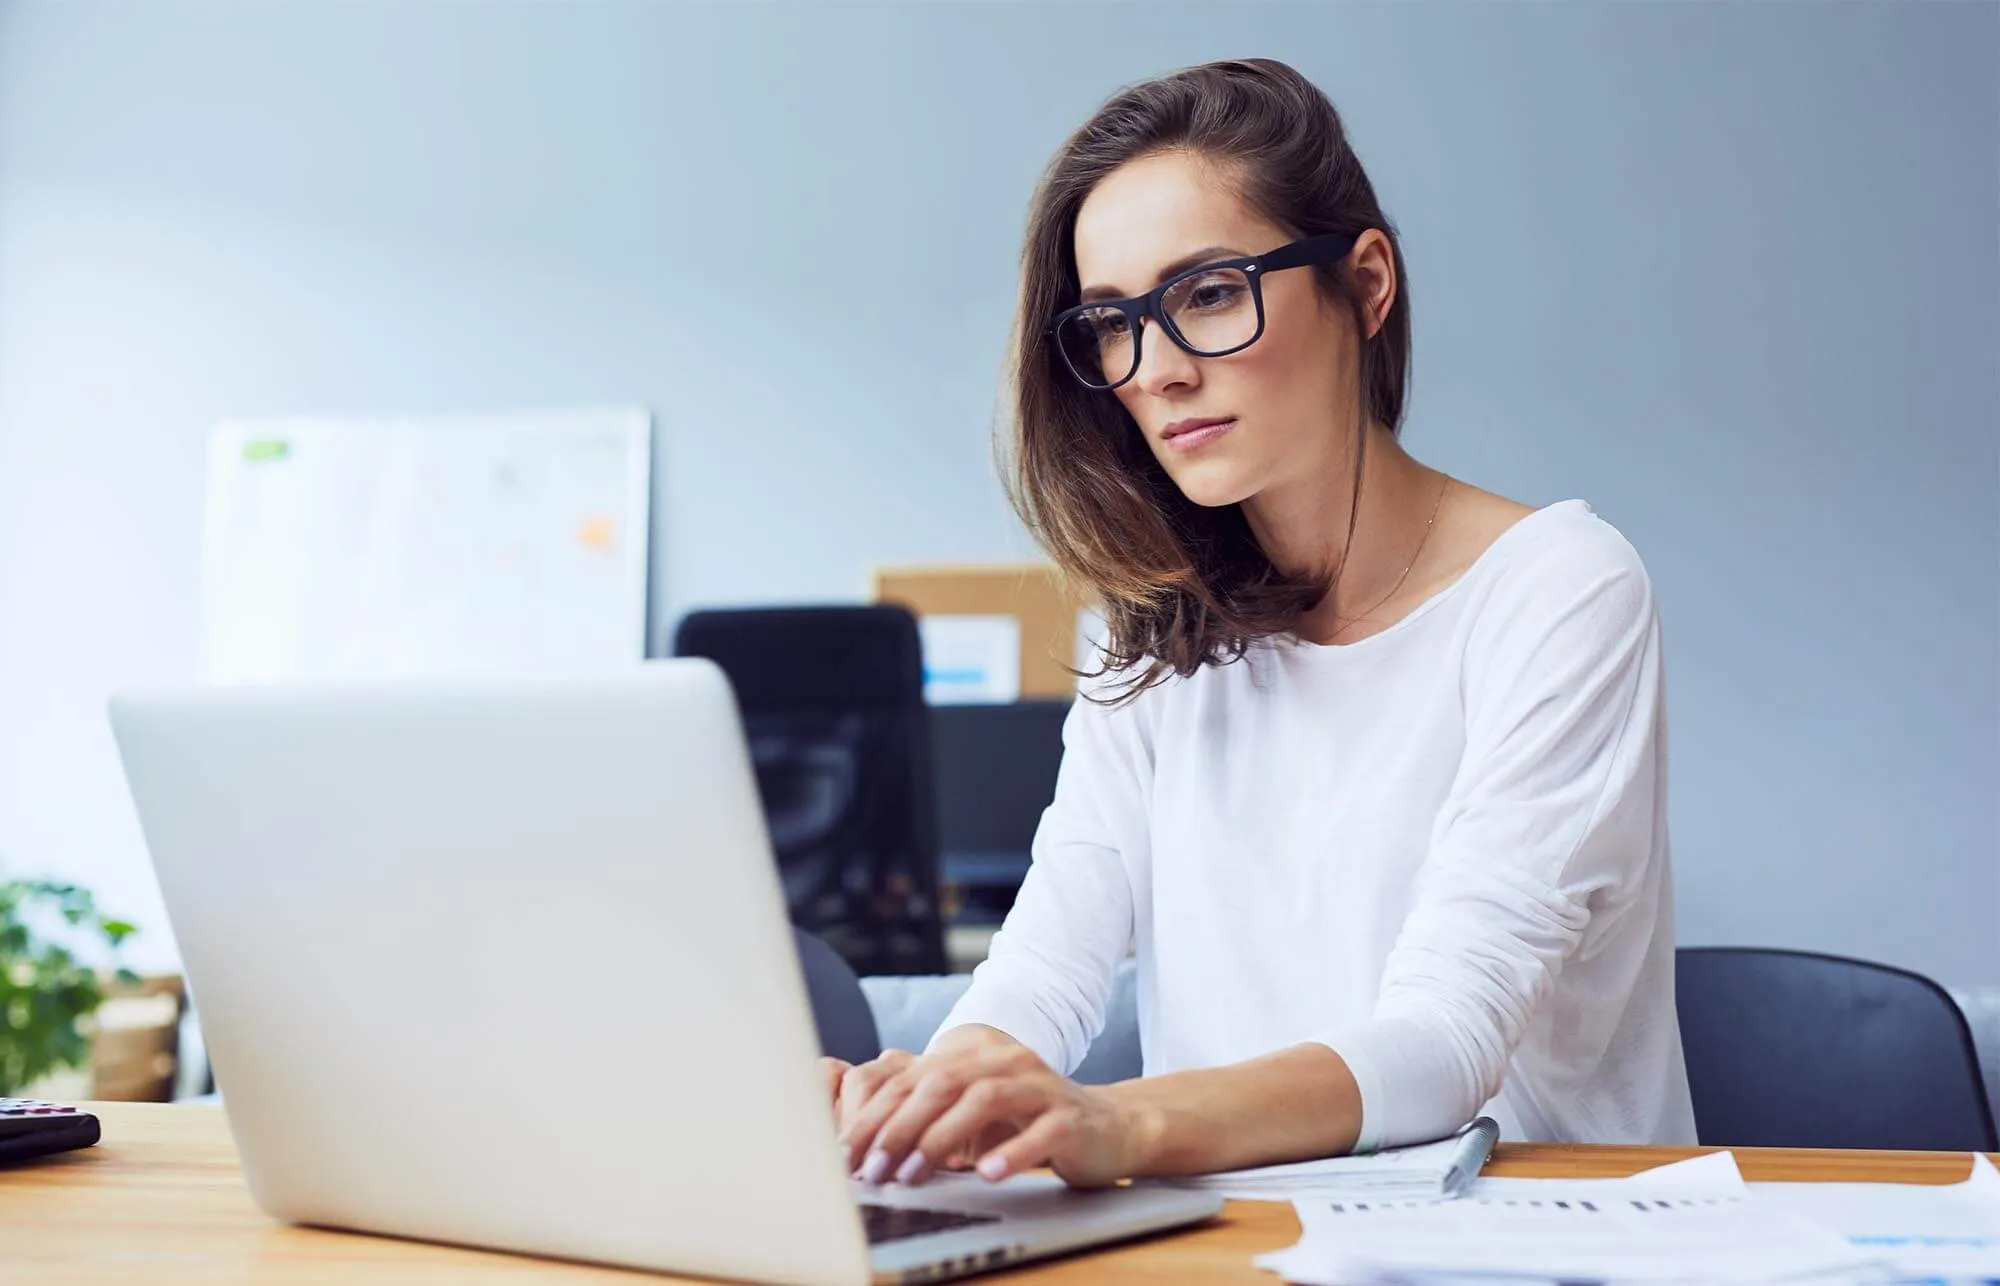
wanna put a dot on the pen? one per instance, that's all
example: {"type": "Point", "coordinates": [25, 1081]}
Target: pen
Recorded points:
{"type": "Point", "coordinates": [1474, 1147]}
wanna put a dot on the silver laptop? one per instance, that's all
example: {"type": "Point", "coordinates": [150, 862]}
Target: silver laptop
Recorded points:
{"type": "Point", "coordinates": [506, 964]}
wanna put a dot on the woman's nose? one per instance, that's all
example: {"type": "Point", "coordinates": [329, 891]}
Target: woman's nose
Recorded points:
{"type": "Point", "coordinates": [1162, 363]}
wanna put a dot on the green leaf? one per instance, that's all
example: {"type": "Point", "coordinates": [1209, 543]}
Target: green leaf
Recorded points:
{"type": "Point", "coordinates": [46, 992]}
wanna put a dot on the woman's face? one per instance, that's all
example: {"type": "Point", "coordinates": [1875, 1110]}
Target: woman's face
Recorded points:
{"type": "Point", "coordinates": [1280, 400]}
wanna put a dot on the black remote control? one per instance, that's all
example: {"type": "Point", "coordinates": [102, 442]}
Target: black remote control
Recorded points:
{"type": "Point", "coordinates": [32, 1128]}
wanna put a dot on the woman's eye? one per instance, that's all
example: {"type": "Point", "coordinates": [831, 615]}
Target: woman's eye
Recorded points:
{"type": "Point", "coordinates": [1215, 294]}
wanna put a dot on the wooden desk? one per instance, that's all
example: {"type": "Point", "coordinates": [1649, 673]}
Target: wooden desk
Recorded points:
{"type": "Point", "coordinates": [162, 1200]}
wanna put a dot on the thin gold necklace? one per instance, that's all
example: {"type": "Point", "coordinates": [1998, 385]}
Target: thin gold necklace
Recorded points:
{"type": "Point", "coordinates": [1418, 553]}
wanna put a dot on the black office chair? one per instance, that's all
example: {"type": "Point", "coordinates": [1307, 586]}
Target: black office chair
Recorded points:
{"type": "Point", "coordinates": [1798, 1050]}
{"type": "Point", "coordinates": [840, 1009]}
{"type": "Point", "coordinates": [833, 707]}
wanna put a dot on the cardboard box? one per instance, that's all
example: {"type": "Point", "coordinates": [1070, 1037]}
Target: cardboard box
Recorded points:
{"type": "Point", "coordinates": [135, 1047]}
{"type": "Point", "coordinates": [1049, 616]}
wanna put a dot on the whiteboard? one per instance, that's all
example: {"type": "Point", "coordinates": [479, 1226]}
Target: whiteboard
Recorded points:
{"type": "Point", "coordinates": [358, 547]}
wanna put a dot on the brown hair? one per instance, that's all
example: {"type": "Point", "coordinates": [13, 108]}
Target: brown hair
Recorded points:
{"type": "Point", "coordinates": [1181, 586]}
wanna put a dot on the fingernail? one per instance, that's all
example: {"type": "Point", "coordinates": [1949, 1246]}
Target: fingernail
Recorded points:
{"type": "Point", "coordinates": [876, 1167]}
{"type": "Point", "coordinates": [993, 1166]}
{"type": "Point", "coordinates": [914, 1169]}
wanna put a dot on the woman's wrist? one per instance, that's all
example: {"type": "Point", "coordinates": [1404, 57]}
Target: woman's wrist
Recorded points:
{"type": "Point", "coordinates": [970, 1036]}
{"type": "Point", "coordinates": [1295, 1104]}
{"type": "Point", "coordinates": [1143, 1125]}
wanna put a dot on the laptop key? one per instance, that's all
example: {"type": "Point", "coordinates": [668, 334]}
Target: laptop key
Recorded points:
{"type": "Point", "coordinates": [893, 1223]}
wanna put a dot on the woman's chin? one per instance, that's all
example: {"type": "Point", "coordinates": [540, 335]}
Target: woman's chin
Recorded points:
{"type": "Point", "coordinates": [1214, 487]}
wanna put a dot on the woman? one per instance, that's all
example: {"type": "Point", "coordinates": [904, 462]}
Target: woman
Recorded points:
{"type": "Point", "coordinates": [1374, 783]}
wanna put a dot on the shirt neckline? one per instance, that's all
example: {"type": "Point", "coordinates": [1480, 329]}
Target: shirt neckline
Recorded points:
{"type": "Point", "coordinates": [1294, 643]}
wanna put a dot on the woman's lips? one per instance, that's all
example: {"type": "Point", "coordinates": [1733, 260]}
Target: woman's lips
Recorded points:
{"type": "Point", "coordinates": [1193, 438]}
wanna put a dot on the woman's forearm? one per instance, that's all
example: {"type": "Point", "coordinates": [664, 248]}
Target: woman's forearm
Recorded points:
{"type": "Point", "coordinates": [1292, 1105]}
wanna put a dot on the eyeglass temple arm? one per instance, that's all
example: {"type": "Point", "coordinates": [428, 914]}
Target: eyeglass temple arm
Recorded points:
{"type": "Point", "coordinates": [1324, 248]}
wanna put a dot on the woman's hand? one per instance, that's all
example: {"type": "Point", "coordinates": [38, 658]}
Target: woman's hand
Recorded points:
{"type": "Point", "coordinates": [834, 1069]}
{"type": "Point", "coordinates": [850, 1096]}
{"type": "Point", "coordinates": [994, 1105]}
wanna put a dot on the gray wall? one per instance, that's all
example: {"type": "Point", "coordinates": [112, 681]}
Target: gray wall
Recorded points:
{"type": "Point", "coordinates": [1729, 271]}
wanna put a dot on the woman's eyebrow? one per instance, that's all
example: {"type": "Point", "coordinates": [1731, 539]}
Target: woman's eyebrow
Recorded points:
{"type": "Point", "coordinates": [1181, 264]}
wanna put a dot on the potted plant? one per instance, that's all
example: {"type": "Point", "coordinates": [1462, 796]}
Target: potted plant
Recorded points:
{"type": "Point", "coordinates": [47, 993]}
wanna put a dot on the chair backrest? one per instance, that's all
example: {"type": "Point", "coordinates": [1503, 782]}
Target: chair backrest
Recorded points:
{"type": "Point", "coordinates": [908, 1012]}
{"type": "Point", "coordinates": [840, 1008]}
{"type": "Point", "coordinates": [1795, 1049]}
{"type": "Point", "coordinates": [833, 708]}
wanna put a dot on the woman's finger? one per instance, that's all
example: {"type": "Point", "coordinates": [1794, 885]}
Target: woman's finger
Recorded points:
{"type": "Point", "coordinates": [935, 1086]}
{"type": "Point", "coordinates": [861, 1083]}
{"type": "Point", "coordinates": [966, 1155]}
{"type": "Point", "coordinates": [940, 1093]}
{"type": "Point", "coordinates": [857, 1132]}
{"type": "Point", "coordinates": [1044, 1142]}
{"type": "Point", "coordinates": [869, 1099]}
{"type": "Point", "coordinates": [834, 1070]}
{"type": "Point", "coordinates": [987, 1113]}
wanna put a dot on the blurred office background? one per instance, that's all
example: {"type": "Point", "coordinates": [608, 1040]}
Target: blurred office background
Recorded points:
{"type": "Point", "coordinates": [1729, 271]}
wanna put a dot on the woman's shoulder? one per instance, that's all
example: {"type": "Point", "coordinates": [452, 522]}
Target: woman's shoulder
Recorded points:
{"type": "Point", "coordinates": [1562, 544]}
{"type": "Point", "coordinates": [1487, 541]}
{"type": "Point", "coordinates": [1560, 562]}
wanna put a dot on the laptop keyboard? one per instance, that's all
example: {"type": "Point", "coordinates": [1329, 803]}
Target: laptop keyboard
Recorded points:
{"type": "Point", "coordinates": [893, 1223]}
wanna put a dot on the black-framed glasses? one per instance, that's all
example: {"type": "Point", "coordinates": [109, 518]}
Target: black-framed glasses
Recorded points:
{"type": "Point", "coordinates": [1210, 310]}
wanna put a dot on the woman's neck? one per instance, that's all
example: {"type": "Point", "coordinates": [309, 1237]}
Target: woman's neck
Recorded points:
{"type": "Point", "coordinates": [1303, 529]}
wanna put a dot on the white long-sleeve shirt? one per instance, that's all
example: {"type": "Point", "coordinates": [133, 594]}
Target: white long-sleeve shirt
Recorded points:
{"type": "Point", "coordinates": [1440, 851]}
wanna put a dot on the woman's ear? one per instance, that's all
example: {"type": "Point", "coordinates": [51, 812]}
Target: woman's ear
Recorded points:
{"type": "Point", "coordinates": [1373, 263]}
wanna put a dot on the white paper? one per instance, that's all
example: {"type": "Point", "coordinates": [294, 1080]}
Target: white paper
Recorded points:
{"type": "Point", "coordinates": [1923, 1230]}
{"type": "Point", "coordinates": [1418, 1170]}
{"type": "Point", "coordinates": [1711, 1172]}
{"type": "Point", "coordinates": [384, 546]}
{"type": "Point", "coordinates": [1693, 1222]}
{"type": "Point", "coordinates": [971, 659]}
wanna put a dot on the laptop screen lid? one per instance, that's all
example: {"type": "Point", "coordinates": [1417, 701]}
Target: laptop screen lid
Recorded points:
{"type": "Point", "coordinates": [499, 962]}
